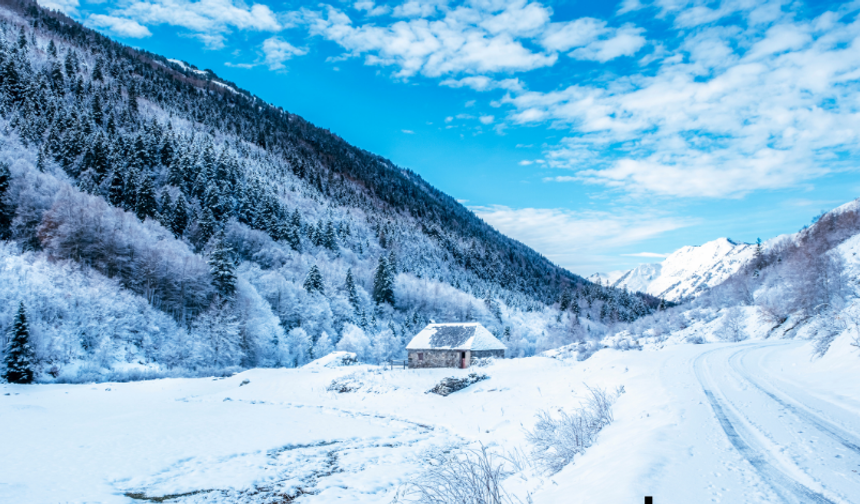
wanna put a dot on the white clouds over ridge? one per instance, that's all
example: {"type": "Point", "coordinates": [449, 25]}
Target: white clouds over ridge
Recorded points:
{"type": "Point", "coordinates": [736, 95]}
{"type": "Point", "coordinates": [716, 121]}
{"type": "Point", "coordinates": [558, 233]}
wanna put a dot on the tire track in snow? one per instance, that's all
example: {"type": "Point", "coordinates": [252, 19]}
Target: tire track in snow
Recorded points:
{"type": "Point", "coordinates": [838, 434]}
{"type": "Point", "coordinates": [787, 488]}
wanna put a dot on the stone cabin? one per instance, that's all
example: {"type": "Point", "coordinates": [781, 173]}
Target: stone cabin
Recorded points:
{"type": "Point", "coordinates": [452, 345]}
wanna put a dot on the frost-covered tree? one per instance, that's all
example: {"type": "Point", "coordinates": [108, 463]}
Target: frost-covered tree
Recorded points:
{"type": "Point", "coordinates": [323, 346]}
{"type": "Point", "coordinates": [383, 283]}
{"type": "Point", "coordinates": [222, 268]}
{"type": "Point", "coordinates": [6, 210]}
{"type": "Point", "coordinates": [354, 340]}
{"type": "Point", "coordinates": [351, 292]}
{"type": "Point", "coordinates": [314, 281]}
{"type": "Point", "coordinates": [19, 359]}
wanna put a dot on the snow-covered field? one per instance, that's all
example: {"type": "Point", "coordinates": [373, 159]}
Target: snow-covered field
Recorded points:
{"type": "Point", "coordinates": [747, 422]}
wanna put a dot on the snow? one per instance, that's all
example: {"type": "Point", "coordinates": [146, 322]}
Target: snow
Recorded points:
{"type": "Point", "coordinates": [773, 426]}
{"type": "Point", "coordinates": [185, 66]}
{"type": "Point", "coordinates": [687, 272]}
{"type": "Point", "coordinates": [463, 336]}
{"type": "Point", "coordinates": [225, 86]}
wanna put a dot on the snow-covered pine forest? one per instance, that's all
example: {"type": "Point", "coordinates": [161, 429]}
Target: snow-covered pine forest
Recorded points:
{"type": "Point", "coordinates": [158, 221]}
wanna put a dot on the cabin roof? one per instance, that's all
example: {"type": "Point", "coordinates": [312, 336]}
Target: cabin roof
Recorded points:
{"type": "Point", "coordinates": [457, 336]}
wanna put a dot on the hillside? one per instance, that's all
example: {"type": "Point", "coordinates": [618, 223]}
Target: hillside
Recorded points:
{"type": "Point", "coordinates": [239, 234]}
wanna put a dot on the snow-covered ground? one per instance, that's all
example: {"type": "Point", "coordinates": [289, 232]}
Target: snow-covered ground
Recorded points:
{"type": "Point", "coordinates": [745, 422]}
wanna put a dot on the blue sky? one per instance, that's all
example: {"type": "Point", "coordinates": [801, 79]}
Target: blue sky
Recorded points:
{"type": "Point", "coordinates": [602, 134]}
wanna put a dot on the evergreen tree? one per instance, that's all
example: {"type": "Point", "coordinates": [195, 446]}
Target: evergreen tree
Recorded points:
{"type": "Point", "coordinates": [392, 264]}
{"type": "Point", "coordinates": [165, 214]}
{"type": "Point", "coordinates": [383, 283]}
{"type": "Point", "coordinates": [116, 191]}
{"type": "Point", "coordinates": [5, 208]}
{"type": "Point", "coordinates": [144, 202]}
{"type": "Point", "coordinates": [206, 225]}
{"type": "Point", "coordinates": [19, 351]}
{"type": "Point", "coordinates": [329, 240]}
{"type": "Point", "coordinates": [179, 216]}
{"type": "Point", "coordinates": [351, 292]}
{"type": "Point", "coordinates": [97, 71]}
{"type": "Point", "coordinates": [52, 49]}
{"type": "Point", "coordinates": [564, 302]}
{"type": "Point", "coordinates": [222, 268]}
{"type": "Point", "coordinates": [314, 281]}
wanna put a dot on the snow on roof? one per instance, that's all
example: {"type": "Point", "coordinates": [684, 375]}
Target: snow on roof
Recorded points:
{"type": "Point", "coordinates": [459, 336]}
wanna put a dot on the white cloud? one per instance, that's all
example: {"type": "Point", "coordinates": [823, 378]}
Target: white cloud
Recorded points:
{"type": "Point", "coordinates": [212, 41]}
{"type": "Point", "coordinates": [408, 132]}
{"type": "Point", "coordinates": [730, 111]}
{"type": "Point", "coordinates": [371, 8]}
{"type": "Point", "coordinates": [629, 6]}
{"type": "Point", "coordinates": [486, 119]}
{"type": "Point", "coordinates": [626, 41]}
{"type": "Point", "coordinates": [119, 26]}
{"type": "Point", "coordinates": [581, 241]}
{"type": "Point", "coordinates": [466, 39]}
{"type": "Point", "coordinates": [278, 51]}
{"type": "Point", "coordinates": [576, 33]}
{"type": "Point", "coordinates": [209, 19]}
{"type": "Point", "coordinates": [419, 8]}
{"type": "Point", "coordinates": [66, 6]}
{"type": "Point", "coordinates": [483, 83]}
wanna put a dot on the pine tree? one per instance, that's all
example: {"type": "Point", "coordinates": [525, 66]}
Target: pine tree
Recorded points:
{"type": "Point", "coordinates": [179, 216]}
{"type": "Point", "coordinates": [166, 212]}
{"type": "Point", "coordinates": [222, 268]}
{"type": "Point", "coordinates": [758, 258]}
{"type": "Point", "coordinates": [351, 292]}
{"type": "Point", "coordinates": [52, 48]}
{"type": "Point", "coordinates": [564, 302]}
{"type": "Point", "coordinates": [116, 191]}
{"type": "Point", "coordinates": [392, 264]}
{"type": "Point", "coordinates": [19, 351]}
{"type": "Point", "coordinates": [314, 282]}
{"type": "Point", "coordinates": [5, 208]}
{"type": "Point", "coordinates": [144, 202]}
{"type": "Point", "coordinates": [206, 224]}
{"type": "Point", "coordinates": [329, 240]}
{"type": "Point", "coordinates": [97, 71]}
{"type": "Point", "coordinates": [383, 283]}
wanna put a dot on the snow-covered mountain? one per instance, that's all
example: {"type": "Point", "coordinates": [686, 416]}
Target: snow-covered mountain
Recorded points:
{"type": "Point", "coordinates": [686, 273]}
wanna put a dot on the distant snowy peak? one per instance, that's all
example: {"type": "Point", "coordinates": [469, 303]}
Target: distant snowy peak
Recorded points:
{"type": "Point", "coordinates": [687, 272]}
{"type": "Point", "coordinates": [640, 277]}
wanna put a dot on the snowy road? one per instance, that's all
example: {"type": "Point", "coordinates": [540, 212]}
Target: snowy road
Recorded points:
{"type": "Point", "coordinates": [805, 453]}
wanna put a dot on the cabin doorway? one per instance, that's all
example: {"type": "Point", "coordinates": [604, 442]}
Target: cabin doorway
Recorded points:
{"type": "Point", "coordinates": [462, 360]}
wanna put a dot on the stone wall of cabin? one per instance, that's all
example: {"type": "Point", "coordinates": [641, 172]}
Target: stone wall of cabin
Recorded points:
{"type": "Point", "coordinates": [436, 358]}
{"type": "Point", "coordinates": [483, 354]}
{"type": "Point", "coordinates": [449, 358]}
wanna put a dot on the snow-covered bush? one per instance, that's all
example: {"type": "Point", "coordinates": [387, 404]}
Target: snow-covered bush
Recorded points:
{"type": "Point", "coordinates": [556, 440]}
{"type": "Point", "coordinates": [463, 477]}
{"type": "Point", "coordinates": [732, 327]}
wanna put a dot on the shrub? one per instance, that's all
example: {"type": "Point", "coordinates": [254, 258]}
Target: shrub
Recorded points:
{"type": "Point", "coordinates": [556, 440]}
{"type": "Point", "coordinates": [464, 477]}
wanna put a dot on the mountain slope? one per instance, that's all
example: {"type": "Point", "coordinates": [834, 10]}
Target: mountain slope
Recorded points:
{"type": "Point", "coordinates": [264, 238]}
{"type": "Point", "coordinates": [686, 273]}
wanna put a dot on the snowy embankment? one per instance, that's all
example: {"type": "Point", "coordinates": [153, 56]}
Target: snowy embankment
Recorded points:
{"type": "Point", "coordinates": [283, 433]}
